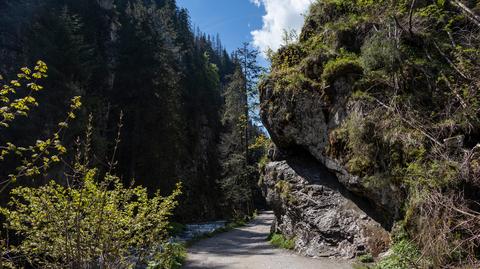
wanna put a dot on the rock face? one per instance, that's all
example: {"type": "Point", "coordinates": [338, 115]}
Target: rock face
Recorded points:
{"type": "Point", "coordinates": [317, 200]}
{"type": "Point", "coordinates": [349, 96]}
{"type": "Point", "coordinates": [305, 118]}
{"type": "Point", "coordinates": [328, 209]}
{"type": "Point", "coordinates": [325, 219]}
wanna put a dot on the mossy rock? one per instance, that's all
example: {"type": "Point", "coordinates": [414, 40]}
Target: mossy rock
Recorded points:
{"type": "Point", "coordinates": [341, 67]}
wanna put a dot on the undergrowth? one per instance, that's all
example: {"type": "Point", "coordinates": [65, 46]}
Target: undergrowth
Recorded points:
{"type": "Point", "coordinates": [280, 241]}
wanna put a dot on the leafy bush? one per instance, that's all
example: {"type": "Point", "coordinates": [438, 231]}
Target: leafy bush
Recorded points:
{"type": "Point", "coordinates": [17, 98]}
{"type": "Point", "coordinates": [90, 222]}
{"type": "Point", "coordinates": [97, 223]}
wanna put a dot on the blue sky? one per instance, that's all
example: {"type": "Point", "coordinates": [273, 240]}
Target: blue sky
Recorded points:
{"type": "Point", "coordinates": [261, 22]}
{"type": "Point", "coordinates": [232, 19]}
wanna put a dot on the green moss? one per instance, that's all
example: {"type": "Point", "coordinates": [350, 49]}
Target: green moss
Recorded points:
{"type": "Point", "coordinates": [341, 66]}
{"type": "Point", "coordinates": [280, 241]}
{"type": "Point", "coordinates": [292, 80]}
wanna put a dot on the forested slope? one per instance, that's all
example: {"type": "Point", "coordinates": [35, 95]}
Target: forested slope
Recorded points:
{"type": "Point", "coordinates": [139, 58]}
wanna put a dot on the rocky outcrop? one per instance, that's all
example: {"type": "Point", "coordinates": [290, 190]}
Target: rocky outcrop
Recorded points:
{"type": "Point", "coordinates": [327, 208]}
{"type": "Point", "coordinates": [303, 118]}
{"type": "Point", "coordinates": [325, 218]}
{"type": "Point", "coordinates": [383, 138]}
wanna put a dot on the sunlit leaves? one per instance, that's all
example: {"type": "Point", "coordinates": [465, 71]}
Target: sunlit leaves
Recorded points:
{"type": "Point", "coordinates": [99, 221]}
{"type": "Point", "coordinates": [17, 101]}
{"type": "Point", "coordinates": [19, 105]}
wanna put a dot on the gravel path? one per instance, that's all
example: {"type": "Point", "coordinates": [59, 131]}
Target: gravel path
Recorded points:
{"type": "Point", "coordinates": [247, 247]}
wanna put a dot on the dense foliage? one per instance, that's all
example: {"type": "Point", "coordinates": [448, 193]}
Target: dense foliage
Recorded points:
{"type": "Point", "coordinates": [90, 221]}
{"type": "Point", "coordinates": [184, 107]}
{"type": "Point", "coordinates": [413, 114]}
{"type": "Point", "coordinates": [88, 225]}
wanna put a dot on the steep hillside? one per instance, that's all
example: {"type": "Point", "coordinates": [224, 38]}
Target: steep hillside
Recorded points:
{"type": "Point", "coordinates": [374, 113]}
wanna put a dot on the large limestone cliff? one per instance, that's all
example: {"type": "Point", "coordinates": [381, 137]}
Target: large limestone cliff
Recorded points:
{"type": "Point", "coordinates": [329, 211]}
{"type": "Point", "coordinates": [374, 117]}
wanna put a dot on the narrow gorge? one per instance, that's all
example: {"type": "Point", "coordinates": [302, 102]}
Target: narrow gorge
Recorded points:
{"type": "Point", "coordinates": [289, 134]}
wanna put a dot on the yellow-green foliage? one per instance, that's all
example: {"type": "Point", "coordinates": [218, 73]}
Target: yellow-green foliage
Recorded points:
{"type": "Point", "coordinates": [99, 223]}
{"type": "Point", "coordinates": [17, 99]}
{"type": "Point", "coordinates": [93, 221]}
{"type": "Point", "coordinates": [16, 96]}
{"type": "Point", "coordinates": [260, 147]}
{"type": "Point", "coordinates": [288, 56]}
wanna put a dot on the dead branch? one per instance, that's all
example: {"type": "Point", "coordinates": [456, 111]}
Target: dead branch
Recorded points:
{"type": "Point", "coordinates": [474, 18]}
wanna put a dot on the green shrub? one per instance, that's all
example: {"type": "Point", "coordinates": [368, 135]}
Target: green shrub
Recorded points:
{"type": "Point", "coordinates": [280, 241]}
{"type": "Point", "coordinates": [288, 56]}
{"type": "Point", "coordinates": [379, 52]}
{"type": "Point", "coordinates": [405, 253]}
{"type": "Point", "coordinates": [97, 223]}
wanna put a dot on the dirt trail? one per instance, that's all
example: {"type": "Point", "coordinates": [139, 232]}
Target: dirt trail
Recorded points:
{"type": "Point", "coordinates": [247, 247]}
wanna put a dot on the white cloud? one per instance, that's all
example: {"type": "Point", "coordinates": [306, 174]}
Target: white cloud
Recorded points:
{"type": "Point", "coordinates": [280, 15]}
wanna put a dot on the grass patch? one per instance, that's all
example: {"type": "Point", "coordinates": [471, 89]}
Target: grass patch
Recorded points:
{"type": "Point", "coordinates": [366, 258]}
{"type": "Point", "coordinates": [405, 254]}
{"type": "Point", "coordinates": [280, 241]}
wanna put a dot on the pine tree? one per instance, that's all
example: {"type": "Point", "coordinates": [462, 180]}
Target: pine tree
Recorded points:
{"type": "Point", "coordinates": [237, 173]}
{"type": "Point", "coordinates": [246, 57]}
